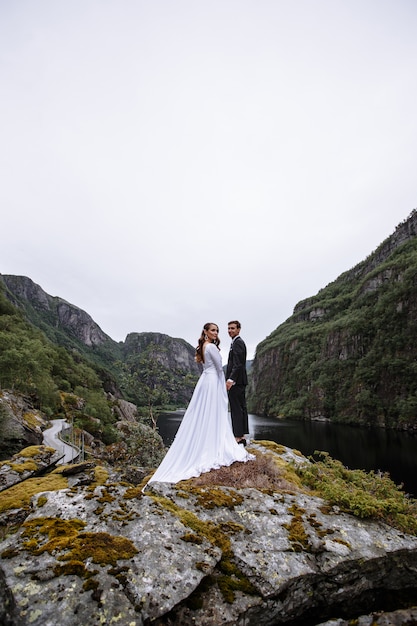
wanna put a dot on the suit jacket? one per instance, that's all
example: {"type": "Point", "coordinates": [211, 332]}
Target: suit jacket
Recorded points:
{"type": "Point", "coordinates": [236, 363]}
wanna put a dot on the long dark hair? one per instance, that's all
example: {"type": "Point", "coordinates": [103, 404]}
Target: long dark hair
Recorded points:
{"type": "Point", "coordinates": [199, 354]}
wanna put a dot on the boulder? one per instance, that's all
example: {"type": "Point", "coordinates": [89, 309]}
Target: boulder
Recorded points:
{"type": "Point", "coordinates": [95, 549]}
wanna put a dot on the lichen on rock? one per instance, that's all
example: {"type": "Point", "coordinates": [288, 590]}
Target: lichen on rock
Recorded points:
{"type": "Point", "coordinates": [253, 545]}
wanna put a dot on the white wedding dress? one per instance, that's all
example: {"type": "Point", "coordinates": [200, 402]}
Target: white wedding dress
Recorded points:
{"type": "Point", "coordinates": [204, 440]}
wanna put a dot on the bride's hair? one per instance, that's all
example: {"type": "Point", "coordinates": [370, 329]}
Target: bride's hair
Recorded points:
{"type": "Point", "coordinates": [199, 354]}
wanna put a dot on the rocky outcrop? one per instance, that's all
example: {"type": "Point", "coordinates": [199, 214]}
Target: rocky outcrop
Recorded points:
{"type": "Point", "coordinates": [126, 411]}
{"type": "Point", "coordinates": [402, 617]}
{"type": "Point", "coordinates": [96, 549]}
{"type": "Point", "coordinates": [80, 324]}
{"type": "Point", "coordinates": [20, 424]}
{"type": "Point", "coordinates": [404, 232]}
{"type": "Point", "coordinates": [171, 353]}
{"type": "Point", "coordinates": [30, 462]}
{"type": "Point", "coordinates": [30, 297]}
{"type": "Point", "coordinates": [8, 612]}
{"type": "Point", "coordinates": [22, 289]}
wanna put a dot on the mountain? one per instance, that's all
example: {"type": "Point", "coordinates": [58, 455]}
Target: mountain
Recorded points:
{"type": "Point", "coordinates": [63, 323]}
{"type": "Point", "coordinates": [72, 328]}
{"type": "Point", "coordinates": [55, 316]}
{"type": "Point", "coordinates": [349, 353]}
{"type": "Point", "coordinates": [59, 361]}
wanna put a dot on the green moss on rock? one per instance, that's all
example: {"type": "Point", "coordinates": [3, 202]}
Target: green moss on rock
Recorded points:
{"type": "Point", "coordinates": [66, 536]}
{"type": "Point", "coordinates": [296, 532]}
{"type": "Point", "coordinates": [19, 496]}
{"type": "Point", "coordinates": [211, 497]}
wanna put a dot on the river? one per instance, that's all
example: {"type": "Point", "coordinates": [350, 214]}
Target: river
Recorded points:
{"type": "Point", "coordinates": [356, 447]}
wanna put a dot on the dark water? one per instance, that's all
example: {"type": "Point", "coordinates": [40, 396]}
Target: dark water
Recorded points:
{"type": "Point", "coordinates": [357, 448]}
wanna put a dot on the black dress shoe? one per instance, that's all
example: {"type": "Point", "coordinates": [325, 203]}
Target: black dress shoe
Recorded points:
{"type": "Point", "coordinates": [242, 441]}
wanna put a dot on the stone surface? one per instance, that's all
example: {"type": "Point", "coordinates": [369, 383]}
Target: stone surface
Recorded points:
{"type": "Point", "coordinates": [403, 617]}
{"type": "Point", "coordinates": [20, 425]}
{"type": "Point", "coordinates": [16, 470]}
{"type": "Point", "coordinates": [190, 547]}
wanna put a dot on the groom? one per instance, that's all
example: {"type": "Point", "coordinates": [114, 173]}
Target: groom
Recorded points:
{"type": "Point", "coordinates": [236, 381]}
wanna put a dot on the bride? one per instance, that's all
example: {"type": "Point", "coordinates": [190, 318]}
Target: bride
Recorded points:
{"type": "Point", "coordinates": [204, 440]}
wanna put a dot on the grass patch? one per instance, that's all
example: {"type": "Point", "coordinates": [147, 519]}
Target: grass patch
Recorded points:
{"type": "Point", "coordinates": [26, 466]}
{"type": "Point", "coordinates": [363, 494]}
{"type": "Point", "coordinates": [267, 472]}
{"type": "Point", "coordinates": [35, 451]}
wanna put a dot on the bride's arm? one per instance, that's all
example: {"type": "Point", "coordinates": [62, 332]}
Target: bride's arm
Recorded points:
{"type": "Point", "coordinates": [217, 359]}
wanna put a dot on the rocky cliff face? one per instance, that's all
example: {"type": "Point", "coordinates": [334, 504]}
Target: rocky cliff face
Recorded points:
{"type": "Point", "coordinates": [173, 354]}
{"type": "Point", "coordinates": [349, 352]}
{"type": "Point", "coordinates": [37, 304]}
{"type": "Point", "coordinates": [406, 231]}
{"type": "Point", "coordinates": [51, 312]}
{"type": "Point", "coordinates": [84, 546]}
{"type": "Point", "coordinates": [71, 327]}
{"type": "Point", "coordinates": [21, 424]}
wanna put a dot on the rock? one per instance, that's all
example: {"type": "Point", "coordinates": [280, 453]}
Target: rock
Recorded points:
{"type": "Point", "coordinates": [404, 617]}
{"type": "Point", "coordinates": [126, 411]}
{"type": "Point", "coordinates": [8, 616]}
{"type": "Point", "coordinates": [100, 550]}
{"type": "Point", "coordinates": [174, 354]}
{"type": "Point", "coordinates": [29, 462]}
{"type": "Point", "coordinates": [20, 424]}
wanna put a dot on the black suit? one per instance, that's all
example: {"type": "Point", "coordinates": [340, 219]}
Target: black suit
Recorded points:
{"type": "Point", "coordinates": [236, 371]}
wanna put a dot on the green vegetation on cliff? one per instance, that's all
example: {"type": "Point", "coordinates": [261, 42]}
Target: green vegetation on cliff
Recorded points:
{"type": "Point", "coordinates": [65, 366]}
{"type": "Point", "coordinates": [350, 352]}
{"type": "Point", "coordinates": [32, 365]}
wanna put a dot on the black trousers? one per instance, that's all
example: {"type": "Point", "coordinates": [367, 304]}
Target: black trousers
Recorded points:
{"type": "Point", "coordinates": [238, 410]}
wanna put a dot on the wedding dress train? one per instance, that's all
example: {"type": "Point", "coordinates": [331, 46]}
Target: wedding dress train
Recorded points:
{"type": "Point", "coordinates": [204, 440]}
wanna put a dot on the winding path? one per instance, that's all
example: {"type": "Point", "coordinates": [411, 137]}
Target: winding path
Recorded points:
{"type": "Point", "coordinates": [51, 439]}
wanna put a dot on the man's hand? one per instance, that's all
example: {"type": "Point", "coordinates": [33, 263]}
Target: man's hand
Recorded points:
{"type": "Point", "coordinates": [229, 384]}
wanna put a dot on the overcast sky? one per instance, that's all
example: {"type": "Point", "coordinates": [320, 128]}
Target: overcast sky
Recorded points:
{"type": "Point", "coordinates": [165, 163]}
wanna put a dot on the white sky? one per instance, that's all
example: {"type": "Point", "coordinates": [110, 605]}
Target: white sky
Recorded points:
{"type": "Point", "coordinates": [170, 162]}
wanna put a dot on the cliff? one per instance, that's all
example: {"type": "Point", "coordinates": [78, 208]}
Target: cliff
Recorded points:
{"type": "Point", "coordinates": [70, 327]}
{"type": "Point", "coordinates": [349, 353]}
{"type": "Point", "coordinates": [51, 314]}
{"type": "Point", "coordinates": [250, 544]}
{"type": "Point", "coordinates": [172, 353]}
